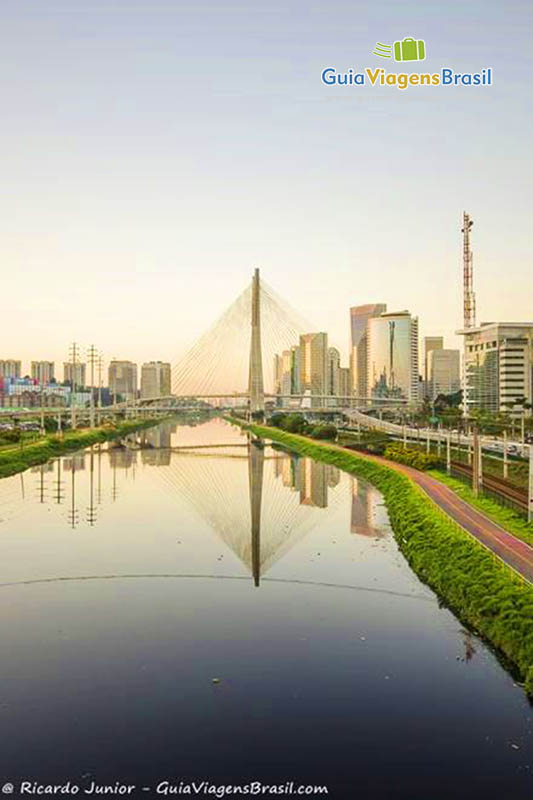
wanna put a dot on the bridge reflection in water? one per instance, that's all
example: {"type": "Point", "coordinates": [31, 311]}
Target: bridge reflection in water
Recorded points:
{"type": "Point", "coordinates": [260, 512]}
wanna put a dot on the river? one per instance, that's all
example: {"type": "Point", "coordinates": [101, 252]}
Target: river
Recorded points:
{"type": "Point", "coordinates": [191, 607]}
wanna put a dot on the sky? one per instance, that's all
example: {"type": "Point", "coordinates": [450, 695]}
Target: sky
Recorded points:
{"type": "Point", "coordinates": [153, 152]}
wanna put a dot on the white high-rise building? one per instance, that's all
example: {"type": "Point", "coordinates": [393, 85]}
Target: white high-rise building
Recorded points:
{"type": "Point", "coordinates": [122, 377]}
{"type": "Point", "coordinates": [74, 373]}
{"type": "Point", "coordinates": [155, 379]}
{"type": "Point", "coordinates": [43, 372]}
{"type": "Point", "coordinates": [359, 318]}
{"type": "Point", "coordinates": [10, 368]}
{"type": "Point", "coordinates": [498, 365]}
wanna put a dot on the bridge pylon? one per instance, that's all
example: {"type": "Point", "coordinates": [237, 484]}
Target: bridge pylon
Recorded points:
{"type": "Point", "coordinates": [255, 381]}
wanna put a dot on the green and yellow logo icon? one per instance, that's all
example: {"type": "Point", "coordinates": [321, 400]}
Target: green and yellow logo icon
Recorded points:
{"type": "Point", "coordinates": [406, 50]}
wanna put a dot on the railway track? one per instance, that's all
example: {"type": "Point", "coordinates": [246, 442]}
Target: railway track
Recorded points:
{"type": "Point", "coordinates": [499, 486]}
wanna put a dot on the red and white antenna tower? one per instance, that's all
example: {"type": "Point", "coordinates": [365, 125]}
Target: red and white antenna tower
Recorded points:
{"type": "Point", "coordinates": [469, 298]}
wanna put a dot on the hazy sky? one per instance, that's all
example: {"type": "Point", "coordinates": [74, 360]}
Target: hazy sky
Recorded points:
{"type": "Point", "coordinates": [155, 151]}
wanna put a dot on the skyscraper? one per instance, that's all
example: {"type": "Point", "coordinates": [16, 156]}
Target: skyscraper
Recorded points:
{"type": "Point", "coordinates": [74, 373]}
{"type": "Point", "coordinates": [155, 379]}
{"type": "Point", "coordinates": [123, 379]}
{"type": "Point", "coordinates": [393, 356]}
{"type": "Point", "coordinates": [9, 368]}
{"type": "Point", "coordinates": [359, 317]}
{"type": "Point", "coordinates": [333, 377]}
{"type": "Point", "coordinates": [313, 364]}
{"type": "Point", "coordinates": [295, 369]}
{"type": "Point", "coordinates": [444, 372]}
{"type": "Point", "coordinates": [344, 382]}
{"type": "Point", "coordinates": [43, 372]}
{"type": "Point", "coordinates": [430, 343]}
{"type": "Point", "coordinates": [498, 365]}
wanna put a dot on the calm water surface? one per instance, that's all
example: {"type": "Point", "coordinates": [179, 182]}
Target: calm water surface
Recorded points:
{"type": "Point", "coordinates": [133, 576]}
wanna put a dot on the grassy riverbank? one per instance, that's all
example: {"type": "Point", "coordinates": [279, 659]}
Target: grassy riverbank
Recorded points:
{"type": "Point", "coordinates": [470, 580]}
{"type": "Point", "coordinates": [19, 459]}
{"type": "Point", "coordinates": [507, 518]}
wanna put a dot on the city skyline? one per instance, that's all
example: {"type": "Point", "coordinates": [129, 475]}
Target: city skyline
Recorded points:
{"type": "Point", "coordinates": [128, 187]}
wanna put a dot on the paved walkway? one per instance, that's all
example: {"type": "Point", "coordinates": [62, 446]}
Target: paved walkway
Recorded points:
{"type": "Point", "coordinates": [513, 551]}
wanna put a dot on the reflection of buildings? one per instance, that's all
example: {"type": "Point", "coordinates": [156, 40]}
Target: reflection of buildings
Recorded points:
{"type": "Point", "coordinates": [155, 445]}
{"type": "Point", "coordinates": [257, 515]}
{"type": "Point", "coordinates": [74, 462]}
{"type": "Point", "coordinates": [310, 478]}
{"type": "Point", "coordinates": [122, 457]}
{"type": "Point", "coordinates": [365, 500]}
{"type": "Point", "coordinates": [48, 467]}
{"type": "Point", "coordinates": [313, 483]}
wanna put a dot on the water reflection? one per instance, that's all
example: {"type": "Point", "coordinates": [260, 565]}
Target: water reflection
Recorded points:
{"type": "Point", "coordinates": [365, 502]}
{"type": "Point", "coordinates": [128, 584]}
{"type": "Point", "coordinates": [258, 500]}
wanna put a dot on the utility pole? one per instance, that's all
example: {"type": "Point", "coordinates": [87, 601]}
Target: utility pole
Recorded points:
{"type": "Point", "coordinates": [480, 463]}
{"type": "Point", "coordinates": [42, 411]}
{"type": "Point", "coordinates": [530, 491]}
{"type": "Point", "coordinates": [475, 466]}
{"type": "Point", "coordinates": [505, 462]}
{"type": "Point", "coordinates": [92, 357]}
{"type": "Point", "coordinates": [448, 452]}
{"type": "Point", "coordinates": [73, 512]}
{"type": "Point", "coordinates": [59, 496]}
{"type": "Point", "coordinates": [100, 364]}
{"type": "Point", "coordinates": [74, 355]}
{"type": "Point", "coordinates": [91, 510]}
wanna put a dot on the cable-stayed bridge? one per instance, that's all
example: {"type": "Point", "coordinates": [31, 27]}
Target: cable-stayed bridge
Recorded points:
{"type": "Point", "coordinates": [234, 359]}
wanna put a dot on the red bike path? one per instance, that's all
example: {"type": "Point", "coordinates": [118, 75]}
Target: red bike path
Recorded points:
{"type": "Point", "coordinates": [514, 552]}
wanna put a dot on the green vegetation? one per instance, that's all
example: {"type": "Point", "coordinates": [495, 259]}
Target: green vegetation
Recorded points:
{"type": "Point", "coordinates": [296, 423]}
{"type": "Point", "coordinates": [17, 460]}
{"type": "Point", "coordinates": [473, 582]}
{"type": "Point", "coordinates": [412, 458]}
{"type": "Point", "coordinates": [367, 441]}
{"type": "Point", "coordinates": [509, 519]}
{"type": "Point", "coordinates": [517, 469]}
